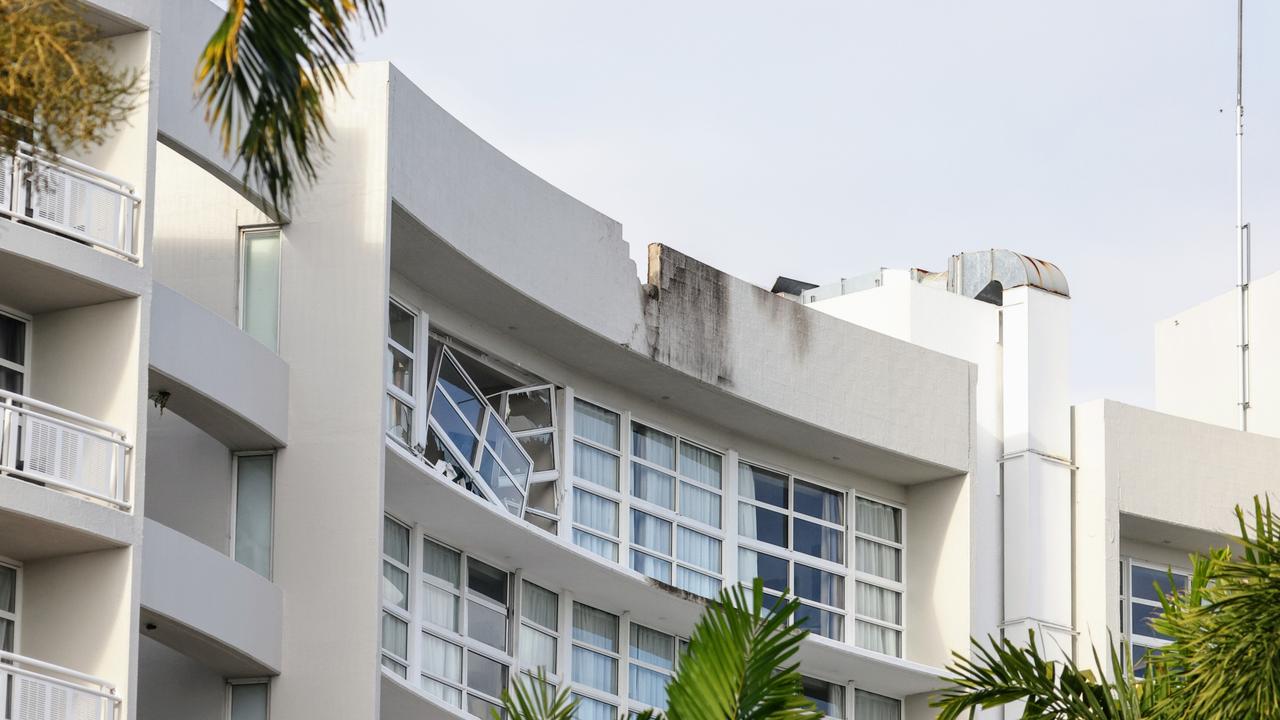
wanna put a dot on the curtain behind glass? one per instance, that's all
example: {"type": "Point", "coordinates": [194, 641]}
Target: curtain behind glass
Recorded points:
{"type": "Point", "coordinates": [877, 638]}
{"type": "Point", "coordinates": [869, 706]}
{"type": "Point", "coordinates": [595, 512]}
{"type": "Point", "coordinates": [699, 504]}
{"type": "Point", "coordinates": [595, 670]}
{"type": "Point", "coordinates": [599, 546]}
{"type": "Point", "coordinates": [260, 289]}
{"type": "Point", "coordinates": [591, 709]}
{"type": "Point", "coordinates": [440, 562]}
{"type": "Point", "coordinates": [648, 687]}
{"type": "Point", "coordinates": [880, 520]}
{"type": "Point", "coordinates": [253, 512]}
{"type": "Point", "coordinates": [879, 603]}
{"type": "Point", "coordinates": [650, 532]}
{"type": "Point", "coordinates": [8, 588]}
{"type": "Point", "coordinates": [249, 701]}
{"type": "Point", "coordinates": [541, 606]}
{"type": "Point", "coordinates": [653, 647]}
{"type": "Point", "coordinates": [595, 627]}
{"type": "Point", "coordinates": [595, 466]}
{"type": "Point", "coordinates": [698, 549]}
{"type": "Point", "coordinates": [440, 658]}
{"type": "Point", "coordinates": [537, 649]}
{"type": "Point", "coordinates": [700, 464]}
{"type": "Point", "coordinates": [879, 560]}
{"type": "Point", "coordinates": [595, 424]}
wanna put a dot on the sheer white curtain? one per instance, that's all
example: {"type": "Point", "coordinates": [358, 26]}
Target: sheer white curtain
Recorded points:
{"type": "Point", "coordinates": [649, 686]}
{"type": "Point", "coordinates": [595, 465]}
{"type": "Point", "coordinates": [869, 706]}
{"type": "Point", "coordinates": [877, 638]}
{"type": "Point", "coordinates": [595, 670]}
{"type": "Point", "coordinates": [595, 512]}
{"type": "Point", "coordinates": [880, 560]}
{"type": "Point", "coordinates": [540, 605]}
{"type": "Point", "coordinates": [592, 709]}
{"type": "Point", "coordinates": [439, 607]}
{"type": "Point", "coordinates": [880, 520]}
{"type": "Point", "coordinates": [537, 649]}
{"type": "Point", "coordinates": [656, 447]}
{"type": "Point", "coordinates": [747, 520]}
{"type": "Point", "coordinates": [599, 546]}
{"type": "Point", "coordinates": [879, 603]}
{"type": "Point", "coordinates": [699, 504]}
{"type": "Point", "coordinates": [650, 532]}
{"type": "Point", "coordinates": [441, 658]}
{"type": "Point", "coordinates": [700, 464]}
{"type": "Point", "coordinates": [595, 424]}
{"type": "Point", "coordinates": [653, 486]}
{"type": "Point", "coordinates": [698, 549]}
{"type": "Point", "coordinates": [696, 582]}
{"type": "Point", "coordinates": [651, 566]}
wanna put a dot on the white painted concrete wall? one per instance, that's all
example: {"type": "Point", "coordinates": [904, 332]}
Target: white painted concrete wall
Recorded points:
{"type": "Point", "coordinates": [174, 687]}
{"type": "Point", "coordinates": [190, 489]}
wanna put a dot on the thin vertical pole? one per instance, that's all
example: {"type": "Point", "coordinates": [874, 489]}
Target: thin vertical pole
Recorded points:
{"type": "Point", "coordinates": [1242, 229]}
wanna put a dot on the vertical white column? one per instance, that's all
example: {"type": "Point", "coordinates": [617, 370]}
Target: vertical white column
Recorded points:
{"type": "Point", "coordinates": [729, 485]}
{"type": "Point", "coordinates": [565, 506]}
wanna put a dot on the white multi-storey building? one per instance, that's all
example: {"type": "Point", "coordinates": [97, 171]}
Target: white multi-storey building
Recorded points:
{"type": "Point", "coordinates": [430, 433]}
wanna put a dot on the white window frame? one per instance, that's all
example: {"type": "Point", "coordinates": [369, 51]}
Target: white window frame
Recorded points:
{"type": "Point", "coordinates": [617, 700]}
{"type": "Point", "coordinates": [633, 705]}
{"type": "Point", "coordinates": [231, 683]}
{"type": "Point", "coordinates": [235, 495]}
{"type": "Point", "coordinates": [554, 431]}
{"type": "Point", "coordinates": [15, 616]}
{"type": "Point", "coordinates": [673, 516]}
{"type": "Point", "coordinates": [846, 707]}
{"type": "Point", "coordinates": [395, 392]}
{"type": "Point", "coordinates": [25, 366]}
{"type": "Point", "coordinates": [242, 261]}
{"type": "Point", "coordinates": [899, 587]}
{"type": "Point", "coordinates": [1127, 601]}
{"type": "Point", "coordinates": [553, 678]}
{"type": "Point", "coordinates": [615, 496]}
{"type": "Point", "coordinates": [791, 555]}
{"type": "Point", "coordinates": [405, 614]}
{"type": "Point", "coordinates": [851, 700]}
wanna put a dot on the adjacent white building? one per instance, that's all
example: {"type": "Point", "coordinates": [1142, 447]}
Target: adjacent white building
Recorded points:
{"type": "Point", "coordinates": [431, 432]}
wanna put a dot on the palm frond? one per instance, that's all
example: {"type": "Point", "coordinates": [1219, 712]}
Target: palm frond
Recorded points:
{"type": "Point", "coordinates": [533, 698]}
{"type": "Point", "coordinates": [264, 76]}
{"type": "Point", "coordinates": [740, 663]}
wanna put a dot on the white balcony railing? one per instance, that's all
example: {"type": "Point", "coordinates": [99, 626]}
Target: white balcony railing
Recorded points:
{"type": "Point", "coordinates": [35, 690]}
{"type": "Point", "coordinates": [70, 198]}
{"type": "Point", "coordinates": [44, 443]}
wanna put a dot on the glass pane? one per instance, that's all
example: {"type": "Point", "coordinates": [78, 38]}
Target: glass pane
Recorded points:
{"type": "Point", "coordinates": [879, 603]}
{"type": "Point", "coordinates": [1143, 615]}
{"type": "Point", "coordinates": [596, 424]}
{"type": "Point", "coordinates": [595, 466]}
{"type": "Point", "coordinates": [396, 667]}
{"type": "Point", "coordinates": [819, 541]}
{"type": "Point", "coordinates": [454, 382]}
{"type": "Point", "coordinates": [820, 622]}
{"type": "Point", "coordinates": [8, 589]}
{"type": "Point", "coordinates": [10, 380]}
{"type": "Point", "coordinates": [869, 706]}
{"type": "Point", "coordinates": [487, 580]}
{"type": "Point", "coordinates": [767, 525]}
{"type": "Point", "coordinates": [395, 541]}
{"type": "Point", "coordinates": [651, 566]}
{"type": "Point", "coordinates": [6, 635]}
{"type": "Point", "coordinates": [699, 504]}
{"type": "Point", "coordinates": [829, 697]}
{"type": "Point", "coordinates": [529, 409]}
{"type": "Point", "coordinates": [595, 512]}
{"type": "Point", "coordinates": [819, 586]}
{"type": "Point", "coordinates": [653, 647]}
{"type": "Point", "coordinates": [655, 446]}
{"type": "Point", "coordinates": [485, 675]}
{"type": "Point", "coordinates": [509, 493]}
{"type": "Point", "coordinates": [13, 340]}
{"type": "Point", "coordinates": [595, 627]}
{"type": "Point", "coordinates": [449, 695]}
{"type": "Point", "coordinates": [249, 701]}
{"type": "Point", "coordinates": [537, 649]}
{"type": "Point", "coordinates": [648, 687]}
{"type": "Point", "coordinates": [653, 486]}
{"type": "Point", "coordinates": [399, 421]}
{"type": "Point", "coordinates": [439, 607]}
{"type": "Point", "coordinates": [595, 670]}
{"type": "Point", "coordinates": [401, 325]}
{"type": "Point", "coordinates": [696, 582]}
{"type": "Point", "coordinates": [762, 485]}
{"type": "Point", "coordinates": [436, 452]}
{"type": "Point", "coordinates": [395, 585]}
{"type": "Point", "coordinates": [260, 293]}
{"type": "Point", "coordinates": [483, 709]}
{"type": "Point", "coordinates": [401, 370]}
{"type": "Point", "coordinates": [541, 448]}
{"type": "Point", "coordinates": [253, 512]}
{"type": "Point", "coordinates": [774, 572]}
{"type": "Point", "coordinates": [591, 709]}
{"type": "Point", "coordinates": [441, 658]}
{"type": "Point", "coordinates": [697, 463]}
{"type": "Point", "coordinates": [541, 606]}
{"type": "Point", "coordinates": [819, 502]}
{"type": "Point", "coordinates": [697, 549]}
{"type": "Point", "coordinates": [650, 532]}
{"type": "Point", "coordinates": [1145, 581]}
{"type": "Point", "coordinates": [877, 638]}
{"type": "Point", "coordinates": [879, 560]}
{"type": "Point", "coordinates": [880, 520]}
{"type": "Point", "coordinates": [395, 635]}
{"type": "Point", "coordinates": [454, 426]}
{"type": "Point", "coordinates": [507, 450]}
{"type": "Point", "coordinates": [440, 562]}
{"type": "Point", "coordinates": [604, 548]}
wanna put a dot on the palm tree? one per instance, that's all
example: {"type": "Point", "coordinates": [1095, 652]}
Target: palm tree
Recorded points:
{"type": "Point", "coordinates": [264, 76]}
{"type": "Point", "coordinates": [1223, 661]}
{"type": "Point", "coordinates": [739, 665]}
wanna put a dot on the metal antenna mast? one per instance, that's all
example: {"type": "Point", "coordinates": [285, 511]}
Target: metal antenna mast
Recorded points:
{"type": "Point", "coordinates": [1243, 235]}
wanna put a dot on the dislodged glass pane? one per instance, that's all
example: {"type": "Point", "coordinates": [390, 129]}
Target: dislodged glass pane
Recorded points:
{"type": "Point", "coordinates": [816, 501]}
{"type": "Point", "coordinates": [401, 325]}
{"type": "Point", "coordinates": [655, 446]}
{"type": "Point", "coordinates": [529, 409]}
{"type": "Point", "coordinates": [819, 585]}
{"type": "Point", "coordinates": [541, 449]}
{"type": "Point", "coordinates": [454, 382]}
{"type": "Point", "coordinates": [882, 521]}
{"type": "Point", "coordinates": [508, 450]}
{"type": "Point", "coordinates": [879, 603]}
{"type": "Point", "coordinates": [401, 370]}
{"type": "Point", "coordinates": [698, 463]}
{"type": "Point", "coordinates": [653, 486]}
{"type": "Point", "coordinates": [595, 466]}
{"type": "Point", "coordinates": [774, 572]}
{"type": "Point", "coordinates": [651, 566]}
{"type": "Point", "coordinates": [457, 429]}
{"type": "Point", "coordinates": [399, 421]}
{"type": "Point", "coordinates": [435, 452]}
{"type": "Point", "coordinates": [596, 424]}
{"type": "Point", "coordinates": [509, 492]}
{"type": "Point", "coordinates": [819, 541]}
{"type": "Point", "coordinates": [766, 525]}
{"type": "Point", "coordinates": [762, 485]}
{"type": "Point", "coordinates": [13, 339]}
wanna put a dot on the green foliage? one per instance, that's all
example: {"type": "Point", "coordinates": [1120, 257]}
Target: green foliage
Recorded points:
{"type": "Point", "coordinates": [264, 77]}
{"type": "Point", "coordinates": [536, 699]}
{"type": "Point", "coordinates": [59, 89]}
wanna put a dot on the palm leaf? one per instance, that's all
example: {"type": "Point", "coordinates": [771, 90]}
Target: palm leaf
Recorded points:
{"type": "Point", "coordinates": [535, 699]}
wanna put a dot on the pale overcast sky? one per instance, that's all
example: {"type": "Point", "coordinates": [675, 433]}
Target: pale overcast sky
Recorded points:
{"type": "Point", "coordinates": [825, 139]}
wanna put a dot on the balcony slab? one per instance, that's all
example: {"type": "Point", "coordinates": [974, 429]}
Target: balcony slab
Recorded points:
{"type": "Point", "coordinates": [39, 522]}
{"type": "Point", "coordinates": [42, 272]}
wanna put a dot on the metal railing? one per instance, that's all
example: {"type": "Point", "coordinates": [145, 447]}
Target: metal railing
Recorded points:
{"type": "Point", "coordinates": [71, 199]}
{"type": "Point", "coordinates": [46, 444]}
{"type": "Point", "coordinates": [32, 689]}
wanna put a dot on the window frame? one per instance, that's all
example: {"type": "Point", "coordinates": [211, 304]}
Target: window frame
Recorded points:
{"type": "Point", "coordinates": [405, 614]}
{"type": "Point", "coordinates": [235, 499]}
{"type": "Point", "coordinates": [242, 263]}
{"type": "Point", "coordinates": [633, 705]}
{"type": "Point", "coordinates": [24, 369]}
{"type": "Point", "coordinates": [1129, 632]}
{"type": "Point", "coordinates": [615, 699]}
{"type": "Point", "coordinates": [233, 682]}
{"type": "Point", "coordinates": [852, 701]}
{"type": "Point", "coordinates": [579, 483]}
{"type": "Point", "coordinates": [789, 553]}
{"type": "Point", "coordinates": [553, 678]}
{"type": "Point", "coordinates": [395, 393]}
{"type": "Point", "coordinates": [16, 615]}
{"type": "Point", "coordinates": [899, 587]}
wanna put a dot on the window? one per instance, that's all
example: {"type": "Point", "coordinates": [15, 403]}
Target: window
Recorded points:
{"type": "Point", "coordinates": [675, 511]}
{"type": "Point", "coordinates": [248, 699]}
{"type": "Point", "coordinates": [474, 440]}
{"type": "Point", "coordinates": [539, 631]}
{"type": "Point", "coordinates": [791, 535]}
{"type": "Point", "coordinates": [529, 412]}
{"type": "Point", "coordinates": [878, 602]}
{"type": "Point", "coordinates": [260, 285]}
{"type": "Point", "coordinates": [650, 665]}
{"type": "Point", "coordinates": [254, 491]}
{"type": "Point", "coordinates": [597, 461]}
{"type": "Point", "coordinates": [8, 607]}
{"type": "Point", "coordinates": [395, 596]}
{"type": "Point", "coordinates": [595, 660]}
{"type": "Point", "coordinates": [13, 353]}
{"type": "Point", "coordinates": [829, 697]}
{"type": "Point", "coordinates": [1140, 605]}
{"type": "Point", "coordinates": [402, 330]}
{"type": "Point", "coordinates": [870, 706]}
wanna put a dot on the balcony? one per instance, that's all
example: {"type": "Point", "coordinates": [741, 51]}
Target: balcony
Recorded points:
{"type": "Point", "coordinates": [35, 690]}
{"type": "Point", "coordinates": [71, 199]}
{"type": "Point", "coordinates": [60, 449]}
